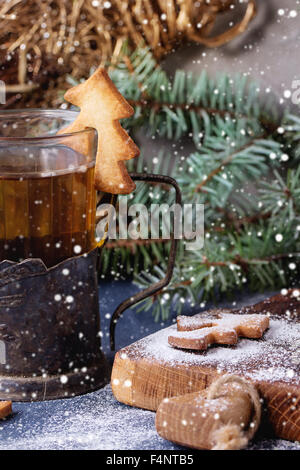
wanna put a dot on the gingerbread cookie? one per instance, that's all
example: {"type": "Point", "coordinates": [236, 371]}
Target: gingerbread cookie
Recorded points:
{"type": "Point", "coordinates": [101, 106]}
{"type": "Point", "coordinates": [198, 333]}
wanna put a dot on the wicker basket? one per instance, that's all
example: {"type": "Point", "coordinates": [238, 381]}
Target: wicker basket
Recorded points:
{"type": "Point", "coordinates": [42, 41]}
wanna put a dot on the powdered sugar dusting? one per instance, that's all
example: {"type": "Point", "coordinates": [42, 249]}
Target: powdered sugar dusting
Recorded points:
{"type": "Point", "coordinates": [91, 422]}
{"type": "Point", "coordinates": [275, 357]}
{"type": "Point", "coordinates": [95, 421]}
{"type": "Point", "coordinates": [202, 332]}
{"type": "Point", "coordinates": [226, 319]}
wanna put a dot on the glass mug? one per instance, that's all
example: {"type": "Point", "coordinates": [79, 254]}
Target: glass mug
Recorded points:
{"type": "Point", "coordinates": [47, 195]}
{"type": "Point", "coordinates": [47, 222]}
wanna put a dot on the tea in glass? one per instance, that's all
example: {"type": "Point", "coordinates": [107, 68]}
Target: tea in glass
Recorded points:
{"type": "Point", "coordinates": [47, 199]}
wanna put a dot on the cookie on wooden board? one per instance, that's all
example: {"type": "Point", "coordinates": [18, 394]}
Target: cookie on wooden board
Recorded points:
{"type": "Point", "coordinates": [198, 333]}
{"type": "Point", "coordinates": [150, 370]}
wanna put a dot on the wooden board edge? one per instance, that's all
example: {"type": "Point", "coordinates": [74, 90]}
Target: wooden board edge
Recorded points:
{"type": "Point", "coordinates": [138, 382]}
{"type": "Point", "coordinates": [144, 384]}
{"type": "Point", "coordinates": [122, 375]}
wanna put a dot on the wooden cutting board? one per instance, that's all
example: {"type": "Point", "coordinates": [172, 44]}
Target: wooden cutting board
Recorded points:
{"type": "Point", "coordinates": [149, 370]}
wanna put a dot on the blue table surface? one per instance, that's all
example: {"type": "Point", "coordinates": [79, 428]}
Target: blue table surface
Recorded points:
{"type": "Point", "coordinates": [97, 420]}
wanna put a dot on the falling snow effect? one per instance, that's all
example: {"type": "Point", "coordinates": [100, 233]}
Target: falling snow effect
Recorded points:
{"type": "Point", "coordinates": [97, 421]}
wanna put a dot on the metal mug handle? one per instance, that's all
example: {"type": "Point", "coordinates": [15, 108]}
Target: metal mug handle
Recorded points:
{"type": "Point", "coordinates": [163, 282]}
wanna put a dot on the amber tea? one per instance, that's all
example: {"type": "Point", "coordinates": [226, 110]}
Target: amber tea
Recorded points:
{"type": "Point", "coordinates": [47, 214]}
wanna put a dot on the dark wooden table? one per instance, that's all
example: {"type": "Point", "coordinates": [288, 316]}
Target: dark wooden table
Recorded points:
{"type": "Point", "coordinates": [97, 420]}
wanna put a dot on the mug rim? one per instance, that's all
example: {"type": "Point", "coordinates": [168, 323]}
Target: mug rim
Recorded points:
{"type": "Point", "coordinates": [54, 113]}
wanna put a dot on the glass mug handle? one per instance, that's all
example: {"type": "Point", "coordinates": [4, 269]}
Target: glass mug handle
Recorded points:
{"type": "Point", "coordinates": [163, 282]}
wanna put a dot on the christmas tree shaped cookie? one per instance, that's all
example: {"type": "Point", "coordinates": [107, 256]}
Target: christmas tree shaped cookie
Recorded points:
{"type": "Point", "coordinates": [101, 106]}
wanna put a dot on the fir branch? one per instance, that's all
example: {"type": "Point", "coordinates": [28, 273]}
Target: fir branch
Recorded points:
{"type": "Point", "coordinates": [188, 102]}
{"type": "Point", "coordinates": [224, 267]}
{"type": "Point", "coordinates": [133, 244]}
{"type": "Point", "coordinates": [282, 197]}
{"type": "Point", "coordinates": [227, 160]}
{"type": "Point", "coordinates": [243, 145]}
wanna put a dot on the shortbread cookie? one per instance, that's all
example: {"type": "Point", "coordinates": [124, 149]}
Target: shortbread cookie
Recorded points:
{"type": "Point", "coordinates": [5, 409]}
{"type": "Point", "coordinates": [198, 333]}
{"type": "Point", "coordinates": [101, 106]}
